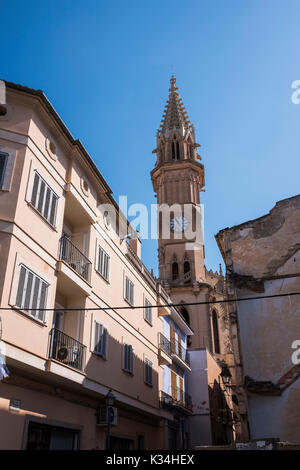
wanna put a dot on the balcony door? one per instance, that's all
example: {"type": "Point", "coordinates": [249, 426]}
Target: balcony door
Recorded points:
{"type": "Point", "coordinates": [58, 318]}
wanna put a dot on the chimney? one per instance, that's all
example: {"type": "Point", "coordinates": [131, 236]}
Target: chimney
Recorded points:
{"type": "Point", "coordinates": [136, 245]}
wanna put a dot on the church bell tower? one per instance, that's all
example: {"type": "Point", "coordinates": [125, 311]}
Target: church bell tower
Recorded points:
{"type": "Point", "coordinates": [178, 178]}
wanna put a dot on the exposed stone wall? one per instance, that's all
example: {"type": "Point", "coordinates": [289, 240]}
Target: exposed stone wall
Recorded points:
{"type": "Point", "coordinates": [262, 258]}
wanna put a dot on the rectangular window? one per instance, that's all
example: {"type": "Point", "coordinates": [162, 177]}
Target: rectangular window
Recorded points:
{"type": "Point", "coordinates": [129, 290]}
{"type": "Point", "coordinates": [44, 199]}
{"type": "Point", "coordinates": [100, 340]}
{"type": "Point", "coordinates": [103, 263]}
{"type": "Point", "coordinates": [3, 162]}
{"type": "Point", "coordinates": [32, 293]}
{"type": "Point", "coordinates": [128, 358]}
{"type": "Point", "coordinates": [148, 372]}
{"type": "Point", "coordinates": [148, 311]}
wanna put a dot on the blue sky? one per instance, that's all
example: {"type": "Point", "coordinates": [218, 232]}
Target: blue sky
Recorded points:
{"type": "Point", "coordinates": [105, 66]}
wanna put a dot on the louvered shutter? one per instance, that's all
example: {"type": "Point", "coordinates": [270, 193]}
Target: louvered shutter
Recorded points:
{"type": "Point", "coordinates": [3, 161]}
{"type": "Point", "coordinates": [41, 312]}
{"type": "Point", "coordinates": [130, 359]}
{"type": "Point", "coordinates": [40, 201]}
{"type": "Point", "coordinates": [21, 287]}
{"type": "Point", "coordinates": [97, 338]}
{"type": "Point", "coordinates": [103, 341]}
{"type": "Point", "coordinates": [53, 207]}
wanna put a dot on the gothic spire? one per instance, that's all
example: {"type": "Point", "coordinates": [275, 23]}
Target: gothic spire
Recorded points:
{"type": "Point", "coordinates": [175, 116]}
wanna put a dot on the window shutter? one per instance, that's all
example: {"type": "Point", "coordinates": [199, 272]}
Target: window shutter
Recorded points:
{"type": "Point", "coordinates": [35, 189]}
{"type": "Point", "coordinates": [41, 196]}
{"type": "Point", "coordinates": [148, 372]}
{"type": "Point", "coordinates": [28, 291]}
{"type": "Point", "coordinates": [103, 342]}
{"type": "Point", "coordinates": [21, 287]}
{"type": "Point", "coordinates": [3, 161]}
{"type": "Point", "coordinates": [53, 207]}
{"type": "Point", "coordinates": [41, 313]}
{"type": "Point", "coordinates": [125, 357]}
{"type": "Point", "coordinates": [97, 337]}
{"type": "Point", "coordinates": [44, 199]}
{"type": "Point", "coordinates": [148, 311]}
{"type": "Point", "coordinates": [103, 263]}
{"type": "Point", "coordinates": [31, 293]}
{"type": "Point", "coordinates": [47, 203]}
{"type": "Point", "coordinates": [130, 359]}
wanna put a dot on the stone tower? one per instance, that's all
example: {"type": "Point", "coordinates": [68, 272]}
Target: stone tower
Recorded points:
{"type": "Point", "coordinates": [178, 179]}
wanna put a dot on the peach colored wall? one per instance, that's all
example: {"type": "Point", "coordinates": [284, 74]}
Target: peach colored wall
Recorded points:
{"type": "Point", "coordinates": [53, 408]}
{"type": "Point", "coordinates": [35, 242]}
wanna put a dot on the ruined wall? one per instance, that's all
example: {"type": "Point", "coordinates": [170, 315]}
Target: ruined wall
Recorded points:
{"type": "Point", "coordinates": [263, 258]}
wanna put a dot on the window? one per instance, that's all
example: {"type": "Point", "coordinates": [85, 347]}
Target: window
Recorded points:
{"type": "Point", "coordinates": [46, 437]}
{"type": "Point", "coordinates": [103, 263]}
{"type": "Point", "coordinates": [129, 290]}
{"type": "Point", "coordinates": [140, 442]}
{"type": "Point", "coordinates": [148, 372]}
{"type": "Point", "coordinates": [128, 358]}
{"type": "Point", "coordinates": [31, 293]}
{"type": "Point", "coordinates": [100, 340]}
{"type": "Point", "coordinates": [148, 311]}
{"type": "Point", "coordinates": [3, 162]}
{"type": "Point", "coordinates": [174, 271]}
{"type": "Point", "coordinates": [216, 332]}
{"type": "Point", "coordinates": [44, 199]}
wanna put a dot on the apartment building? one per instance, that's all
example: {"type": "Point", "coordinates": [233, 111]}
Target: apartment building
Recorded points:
{"type": "Point", "coordinates": [175, 361]}
{"type": "Point", "coordinates": [65, 270]}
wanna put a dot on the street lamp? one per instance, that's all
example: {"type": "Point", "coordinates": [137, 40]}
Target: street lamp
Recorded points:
{"type": "Point", "coordinates": [110, 401]}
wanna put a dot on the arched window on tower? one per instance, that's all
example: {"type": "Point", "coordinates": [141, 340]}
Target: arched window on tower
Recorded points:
{"type": "Point", "coordinates": [186, 272]}
{"type": "Point", "coordinates": [173, 151]}
{"type": "Point", "coordinates": [174, 271]}
{"type": "Point", "coordinates": [177, 151]}
{"type": "Point", "coordinates": [185, 314]}
{"type": "Point", "coordinates": [216, 332]}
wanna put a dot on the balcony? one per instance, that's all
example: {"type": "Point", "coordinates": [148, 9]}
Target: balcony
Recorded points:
{"type": "Point", "coordinates": [180, 355]}
{"type": "Point", "coordinates": [164, 350]}
{"type": "Point", "coordinates": [74, 269]}
{"type": "Point", "coordinates": [67, 350]}
{"type": "Point", "coordinates": [74, 258]}
{"type": "Point", "coordinates": [178, 399]}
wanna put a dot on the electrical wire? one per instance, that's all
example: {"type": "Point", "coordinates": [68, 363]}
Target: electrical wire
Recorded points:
{"type": "Point", "coordinates": [135, 307]}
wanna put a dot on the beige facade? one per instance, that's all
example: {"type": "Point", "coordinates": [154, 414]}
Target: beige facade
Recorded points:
{"type": "Point", "coordinates": [62, 263]}
{"type": "Point", "coordinates": [262, 262]}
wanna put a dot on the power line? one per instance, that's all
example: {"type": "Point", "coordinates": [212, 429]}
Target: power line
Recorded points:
{"type": "Point", "coordinates": [135, 307]}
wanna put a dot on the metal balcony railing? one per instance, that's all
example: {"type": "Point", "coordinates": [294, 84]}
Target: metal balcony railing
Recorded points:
{"type": "Point", "coordinates": [180, 351]}
{"type": "Point", "coordinates": [178, 398]}
{"type": "Point", "coordinates": [66, 349]}
{"type": "Point", "coordinates": [74, 258]}
{"type": "Point", "coordinates": [164, 344]}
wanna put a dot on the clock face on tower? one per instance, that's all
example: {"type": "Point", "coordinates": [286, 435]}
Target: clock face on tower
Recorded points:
{"type": "Point", "coordinates": [179, 224]}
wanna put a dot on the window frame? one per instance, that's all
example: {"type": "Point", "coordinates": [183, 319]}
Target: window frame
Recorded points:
{"type": "Point", "coordinates": [2, 176]}
{"type": "Point", "coordinates": [131, 290]}
{"type": "Point", "coordinates": [128, 360]}
{"type": "Point", "coordinates": [35, 199]}
{"type": "Point", "coordinates": [24, 292]}
{"type": "Point", "coordinates": [104, 334]}
{"type": "Point", "coordinates": [106, 256]}
{"type": "Point", "coordinates": [149, 321]}
{"type": "Point", "coordinates": [148, 366]}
